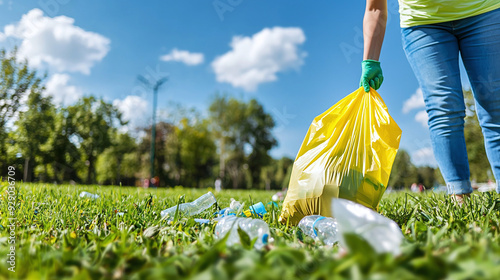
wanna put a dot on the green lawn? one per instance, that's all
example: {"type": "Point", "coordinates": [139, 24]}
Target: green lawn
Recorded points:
{"type": "Point", "coordinates": [62, 236]}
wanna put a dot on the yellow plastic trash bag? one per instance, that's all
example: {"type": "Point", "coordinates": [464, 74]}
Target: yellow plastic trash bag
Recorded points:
{"type": "Point", "coordinates": [348, 152]}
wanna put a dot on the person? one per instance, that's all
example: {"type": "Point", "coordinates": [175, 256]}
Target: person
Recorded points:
{"type": "Point", "coordinates": [434, 33]}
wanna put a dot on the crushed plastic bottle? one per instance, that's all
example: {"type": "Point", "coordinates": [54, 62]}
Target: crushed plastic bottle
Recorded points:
{"type": "Point", "coordinates": [234, 207]}
{"type": "Point", "coordinates": [89, 195]}
{"type": "Point", "coordinates": [320, 228]}
{"type": "Point", "coordinates": [257, 209]}
{"type": "Point", "coordinates": [191, 208]}
{"type": "Point", "coordinates": [382, 233]}
{"type": "Point", "coordinates": [255, 228]}
{"type": "Point", "coordinates": [202, 221]}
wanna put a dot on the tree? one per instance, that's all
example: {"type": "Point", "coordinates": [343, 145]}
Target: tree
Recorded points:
{"type": "Point", "coordinates": [16, 80]}
{"type": "Point", "coordinates": [243, 133]}
{"type": "Point", "coordinates": [34, 128]}
{"type": "Point", "coordinates": [276, 175]}
{"type": "Point", "coordinates": [258, 128]}
{"type": "Point", "coordinates": [426, 176]}
{"type": "Point", "coordinates": [118, 163]}
{"type": "Point", "coordinates": [226, 121]}
{"type": "Point", "coordinates": [197, 151]}
{"type": "Point", "coordinates": [480, 169]}
{"type": "Point", "coordinates": [61, 152]}
{"type": "Point", "coordinates": [94, 121]}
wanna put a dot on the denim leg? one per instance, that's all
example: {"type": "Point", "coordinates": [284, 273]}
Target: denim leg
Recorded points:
{"type": "Point", "coordinates": [479, 41]}
{"type": "Point", "coordinates": [432, 51]}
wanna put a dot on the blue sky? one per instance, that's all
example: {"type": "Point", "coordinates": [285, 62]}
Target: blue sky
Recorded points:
{"type": "Point", "coordinates": [297, 58]}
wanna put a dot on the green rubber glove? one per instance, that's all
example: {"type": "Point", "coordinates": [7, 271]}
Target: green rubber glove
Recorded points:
{"type": "Point", "coordinates": [371, 75]}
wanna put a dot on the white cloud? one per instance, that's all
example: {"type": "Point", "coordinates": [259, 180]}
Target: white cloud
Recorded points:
{"type": "Point", "coordinates": [416, 101]}
{"type": "Point", "coordinates": [422, 118]}
{"type": "Point", "coordinates": [424, 156]}
{"type": "Point", "coordinates": [62, 93]}
{"type": "Point", "coordinates": [185, 57]}
{"type": "Point", "coordinates": [57, 42]}
{"type": "Point", "coordinates": [134, 110]}
{"type": "Point", "coordinates": [257, 59]}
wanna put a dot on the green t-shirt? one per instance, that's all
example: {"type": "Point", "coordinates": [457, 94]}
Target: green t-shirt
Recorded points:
{"type": "Point", "coordinates": [418, 12]}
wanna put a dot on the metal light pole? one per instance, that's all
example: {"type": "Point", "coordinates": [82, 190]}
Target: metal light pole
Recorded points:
{"type": "Point", "coordinates": [155, 88]}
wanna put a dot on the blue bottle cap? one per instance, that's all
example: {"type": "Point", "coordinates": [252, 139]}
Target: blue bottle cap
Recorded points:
{"type": "Point", "coordinates": [265, 238]}
{"type": "Point", "coordinates": [258, 208]}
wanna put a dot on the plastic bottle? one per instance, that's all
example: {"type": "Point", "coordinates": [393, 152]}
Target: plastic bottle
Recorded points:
{"type": "Point", "coordinates": [382, 233]}
{"type": "Point", "coordinates": [257, 209]}
{"type": "Point", "coordinates": [234, 207]}
{"type": "Point", "coordinates": [253, 227]}
{"type": "Point", "coordinates": [320, 228]}
{"type": "Point", "coordinates": [89, 195]}
{"type": "Point", "coordinates": [191, 208]}
{"type": "Point", "coordinates": [202, 221]}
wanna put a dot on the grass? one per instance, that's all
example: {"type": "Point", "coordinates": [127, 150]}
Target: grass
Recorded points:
{"type": "Point", "coordinates": [62, 236]}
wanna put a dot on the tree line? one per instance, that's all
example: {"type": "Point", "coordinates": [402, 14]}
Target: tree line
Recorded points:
{"type": "Point", "coordinates": [85, 142]}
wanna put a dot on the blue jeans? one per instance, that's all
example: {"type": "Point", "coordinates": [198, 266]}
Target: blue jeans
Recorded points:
{"type": "Point", "coordinates": [433, 52]}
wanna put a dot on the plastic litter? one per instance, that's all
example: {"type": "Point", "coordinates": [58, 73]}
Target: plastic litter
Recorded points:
{"type": "Point", "coordinates": [382, 233]}
{"type": "Point", "coordinates": [89, 195]}
{"type": "Point", "coordinates": [255, 228]}
{"type": "Point", "coordinates": [257, 209]}
{"type": "Point", "coordinates": [348, 153]}
{"type": "Point", "coordinates": [191, 208]}
{"type": "Point", "coordinates": [202, 221]}
{"type": "Point", "coordinates": [234, 207]}
{"type": "Point", "coordinates": [320, 228]}
{"type": "Point", "coordinates": [120, 213]}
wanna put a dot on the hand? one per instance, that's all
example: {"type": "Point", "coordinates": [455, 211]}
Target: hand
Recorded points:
{"type": "Point", "coordinates": [371, 75]}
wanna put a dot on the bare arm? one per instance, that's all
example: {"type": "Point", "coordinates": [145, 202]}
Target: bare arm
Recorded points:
{"type": "Point", "coordinates": [374, 24]}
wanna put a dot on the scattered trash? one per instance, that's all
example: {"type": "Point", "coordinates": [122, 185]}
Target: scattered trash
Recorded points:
{"type": "Point", "coordinates": [382, 233]}
{"type": "Point", "coordinates": [235, 205]}
{"type": "Point", "coordinates": [255, 228]}
{"type": "Point", "coordinates": [89, 195]}
{"type": "Point", "coordinates": [120, 213]}
{"type": "Point", "coordinates": [232, 210]}
{"type": "Point", "coordinates": [191, 208]}
{"type": "Point", "coordinates": [320, 228]}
